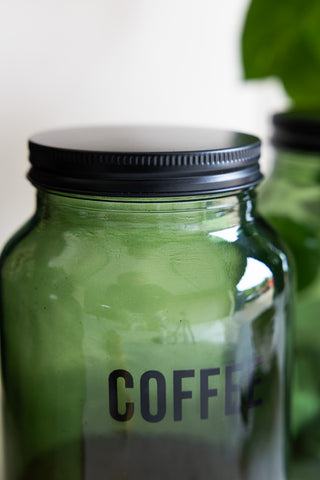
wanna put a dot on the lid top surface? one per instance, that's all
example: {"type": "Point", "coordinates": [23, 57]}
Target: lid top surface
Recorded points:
{"type": "Point", "coordinates": [141, 139]}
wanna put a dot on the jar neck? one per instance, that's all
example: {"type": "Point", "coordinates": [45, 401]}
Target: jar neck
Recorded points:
{"type": "Point", "coordinates": [298, 167]}
{"type": "Point", "coordinates": [194, 212]}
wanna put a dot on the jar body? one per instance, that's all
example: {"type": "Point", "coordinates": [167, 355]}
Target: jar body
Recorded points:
{"type": "Point", "coordinates": [145, 340]}
{"type": "Point", "coordinates": [290, 200]}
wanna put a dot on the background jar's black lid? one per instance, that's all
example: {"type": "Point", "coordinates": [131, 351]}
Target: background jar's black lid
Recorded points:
{"type": "Point", "coordinates": [143, 161]}
{"type": "Point", "coordinates": [297, 130]}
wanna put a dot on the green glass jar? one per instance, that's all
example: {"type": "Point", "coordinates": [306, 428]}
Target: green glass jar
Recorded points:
{"type": "Point", "coordinates": [291, 202]}
{"type": "Point", "coordinates": [145, 320]}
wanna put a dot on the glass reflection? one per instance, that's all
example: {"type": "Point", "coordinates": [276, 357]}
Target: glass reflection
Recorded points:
{"type": "Point", "coordinates": [256, 281]}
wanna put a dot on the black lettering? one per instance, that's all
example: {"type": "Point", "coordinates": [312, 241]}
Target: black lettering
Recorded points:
{"type": "Point", "coordinates": [254, 380]}
{"type": "Point", "coordinates": [232, 407]}
{"type": "Point", "coordinates": [113, 395]}
{"type": "Point", "coordinates": [145, 396]}
{"type": "Point", "coordinates": [205, 391]}
{"type": "Point", "coordinates": [178, 393]}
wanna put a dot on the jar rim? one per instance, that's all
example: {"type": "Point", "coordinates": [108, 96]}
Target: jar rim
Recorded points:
{"type": "Point", "coordinates": [297, 130]}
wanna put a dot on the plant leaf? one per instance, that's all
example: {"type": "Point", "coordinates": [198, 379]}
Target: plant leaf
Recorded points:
{"type": "Point", "coordinates": [281, 38]}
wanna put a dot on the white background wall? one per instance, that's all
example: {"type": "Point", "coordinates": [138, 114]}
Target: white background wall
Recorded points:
{"type": "Point", "coordinates": [72, 62]}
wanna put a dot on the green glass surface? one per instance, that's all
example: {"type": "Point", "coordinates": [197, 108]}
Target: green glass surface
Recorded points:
{"type": "Point", "coordinates": [186, 300]}
{"type": "Point", "coordinates": [290, 200]}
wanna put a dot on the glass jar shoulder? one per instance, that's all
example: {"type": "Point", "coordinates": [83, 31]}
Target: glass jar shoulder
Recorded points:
{"type": "Point", "coordinates": [257, 243]}
{"type": "Point", "coordinates": [202, 254]}
{"type": "Point", "coordinates": [261, 239]}
{"type": "Point", "coordinates": [295, 179]}
{"type": "Point", "coordinates": [15, 246]}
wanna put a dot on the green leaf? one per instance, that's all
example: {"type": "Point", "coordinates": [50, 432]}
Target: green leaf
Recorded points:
{"type": "Point", "coordinates": [281, 38]}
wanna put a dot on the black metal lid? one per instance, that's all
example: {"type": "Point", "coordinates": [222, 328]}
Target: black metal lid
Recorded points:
{"type": "Point", "coordinates": [297, 130]}
{"type": "Point", "coordinates": [141, 161]}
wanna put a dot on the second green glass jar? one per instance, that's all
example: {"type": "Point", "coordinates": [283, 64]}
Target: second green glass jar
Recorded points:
{"type": "Point", "coordinates": [290, 200]}
{"type": "Point", "coordinates": [145, 322]}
